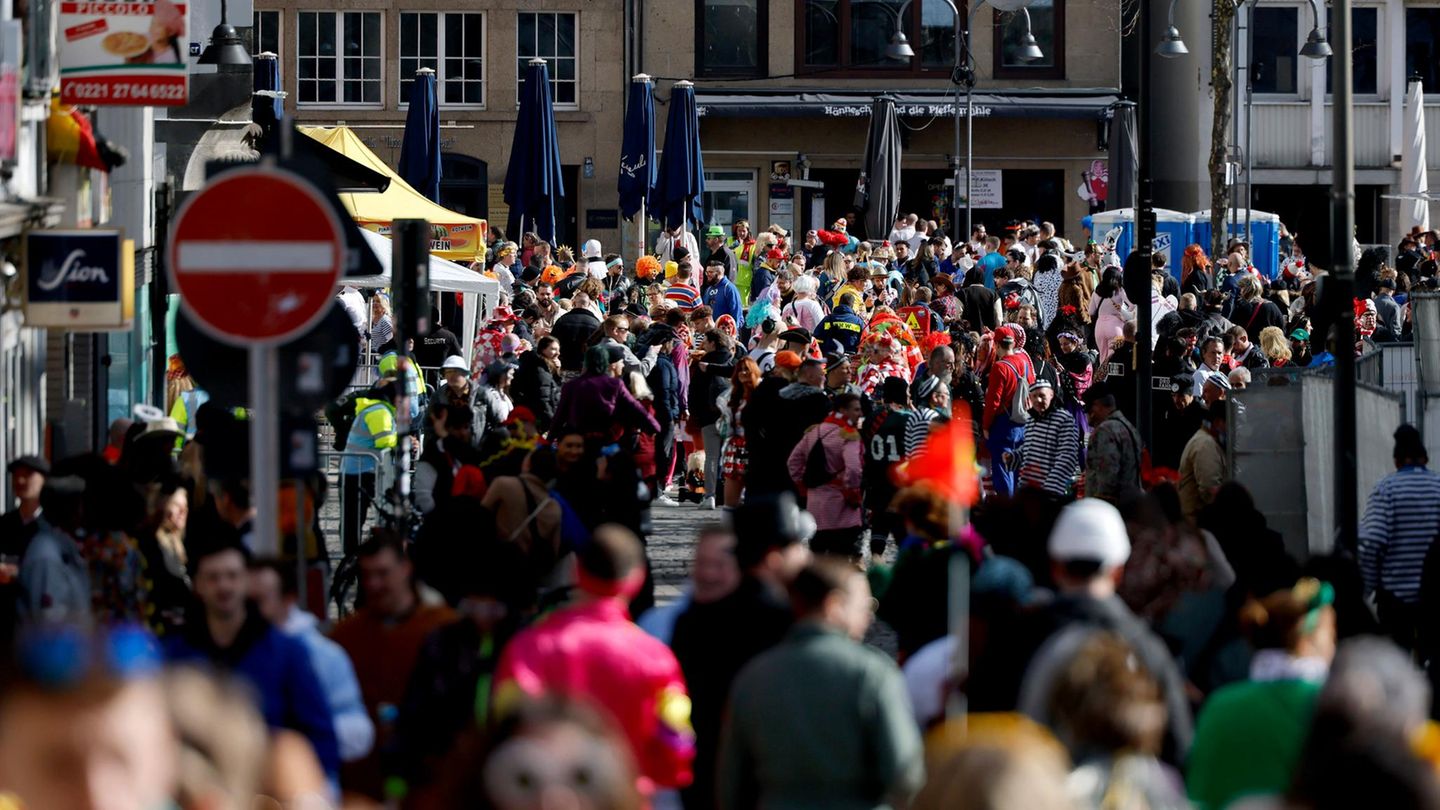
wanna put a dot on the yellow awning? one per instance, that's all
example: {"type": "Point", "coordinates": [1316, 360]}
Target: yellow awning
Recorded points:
{"type": "Point", "coordinates": [456, 237]}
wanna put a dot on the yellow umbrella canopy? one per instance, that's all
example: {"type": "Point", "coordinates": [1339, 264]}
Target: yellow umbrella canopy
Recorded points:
{"type": "Point", "coordinates": [455, 237]}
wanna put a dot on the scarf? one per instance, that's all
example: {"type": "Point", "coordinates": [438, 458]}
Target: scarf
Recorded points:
{"type": "Point", "coordinates": [848, 431]}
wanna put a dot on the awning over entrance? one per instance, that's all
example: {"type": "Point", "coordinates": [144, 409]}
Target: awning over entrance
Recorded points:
{"type": "Point", "coordinates": [799, 103]}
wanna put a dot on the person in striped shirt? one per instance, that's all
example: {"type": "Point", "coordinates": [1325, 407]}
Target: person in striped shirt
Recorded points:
{"type": "Point", "coordinates": [932, 404]}
{"type": "Point", "coordinates": [1050, 452]}
{"type": "Point", "coordinates": [1402, 518]}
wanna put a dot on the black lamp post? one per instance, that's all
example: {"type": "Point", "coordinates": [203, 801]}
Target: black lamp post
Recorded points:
{"type": "Point", "coordinates": [226, 47]}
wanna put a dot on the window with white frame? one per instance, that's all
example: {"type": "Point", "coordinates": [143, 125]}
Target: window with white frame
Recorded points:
{"type": "Point", "coordinates": [339, 59]}
{"type": "Point", "coordinates": [1364, 51]}
{"type": "Point", "coordinates": [450, 43]}
{"type": "Point", "coordinates": [1275, 61]}
{"type": "Point", "coordinates": [550, 35]}
{"type": "Point", "coordinates": [265, 35]}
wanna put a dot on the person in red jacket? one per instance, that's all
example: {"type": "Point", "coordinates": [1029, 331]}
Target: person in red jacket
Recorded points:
{"type": "Point", "coordinates": [593, 652]}
{"type": "Point", "coordinates": [1003, 433]}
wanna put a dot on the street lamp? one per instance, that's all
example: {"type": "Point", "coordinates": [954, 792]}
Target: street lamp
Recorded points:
{"type": "Point", "coordinates": [1171, 45]}
{"type": "Point", "coordinates": [964, 73]}
{"type": "Point", "coordinates": [226, 47]}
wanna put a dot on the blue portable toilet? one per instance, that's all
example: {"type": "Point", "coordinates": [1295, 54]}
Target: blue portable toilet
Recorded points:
{"type": "Point", "coordinates": [1264, 236]}
{"type": "Point", "coordinates": [1173, 233]}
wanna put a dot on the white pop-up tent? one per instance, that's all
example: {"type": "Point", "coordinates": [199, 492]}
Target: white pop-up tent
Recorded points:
{"type": "Point", "coordinates": [481, 293]}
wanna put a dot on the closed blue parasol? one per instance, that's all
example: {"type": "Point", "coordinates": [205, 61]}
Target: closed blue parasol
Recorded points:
{"type": "Point", "coordinates": [420, 150]}
{"type": "Point", "coordinates": [533, 185]}
{"type": "Point", "coordinates": [680, 187]}
{"type": "Point", "coordinates": [269, 106]}
{"type": "Point", "coordinates": [637, 152]}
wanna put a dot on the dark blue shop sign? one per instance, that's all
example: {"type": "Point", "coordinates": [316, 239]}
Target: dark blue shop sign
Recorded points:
{"type": "Point", "coordinates": [79, 279]}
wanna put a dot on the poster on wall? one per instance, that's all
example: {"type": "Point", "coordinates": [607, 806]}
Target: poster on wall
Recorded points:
{"type": "Point", "coordinates": [985, 189]}
{"type": "Point", "coordinates": [82, 280]}
{"type": "Point", "coordinates": [782, 206]}
{"type": "Point", "coordinates": [123, 53]}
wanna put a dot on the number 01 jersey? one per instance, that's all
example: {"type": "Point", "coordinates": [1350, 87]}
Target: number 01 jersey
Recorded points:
{"type": "Point", "coordinates": [884, 449]}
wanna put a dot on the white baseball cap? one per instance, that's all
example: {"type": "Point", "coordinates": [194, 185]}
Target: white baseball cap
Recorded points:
{"type": "Point", "coordinates": [1090, 529]}
{"type": "Point", "coordinates": [591, 249]}
{"type": "Point", "coordinates": [456, 362]}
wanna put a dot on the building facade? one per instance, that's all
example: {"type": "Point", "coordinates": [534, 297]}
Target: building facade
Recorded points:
{"type": "Point", "coordinates": [784, 90]}
{"type": "Point", "coordinates": [1284, 115]}
{"type": "Point", "coordinates": [353, 63]}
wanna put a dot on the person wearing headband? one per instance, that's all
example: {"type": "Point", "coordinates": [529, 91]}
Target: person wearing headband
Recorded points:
{"type": "Point", "coordinates": [615, 280]}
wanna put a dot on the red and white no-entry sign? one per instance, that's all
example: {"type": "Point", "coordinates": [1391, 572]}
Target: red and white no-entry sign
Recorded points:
{"type": "Point", "coordinates": [255, 256]}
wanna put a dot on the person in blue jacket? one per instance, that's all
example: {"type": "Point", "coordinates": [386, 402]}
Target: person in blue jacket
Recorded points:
{"type": "Point", "coordinates": [228, 632]}
{"type": "Point", "coordinates": [720, 293]}
{"type": "Point", "coordinates": [842, 325]}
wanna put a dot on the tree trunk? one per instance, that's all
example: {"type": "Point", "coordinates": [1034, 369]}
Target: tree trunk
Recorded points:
{"type": "Point", "coordinates": [1222, 87]}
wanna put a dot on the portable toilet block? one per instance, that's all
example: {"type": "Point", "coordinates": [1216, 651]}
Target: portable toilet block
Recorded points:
{"type": "Point", "coordinates": [1264, 236]}
{"type": "Point", "coordinates": [1173, 232]}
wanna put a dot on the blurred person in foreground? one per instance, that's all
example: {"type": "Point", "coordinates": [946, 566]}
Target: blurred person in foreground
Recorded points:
{"type": "Point", "coordinates": [229, 633]}
{"type": "Point", "coordinates": [83, 723]}
{"type": "Point", "coordinates": [273, 589]}
{"type": "Point", "coordinates": [547, 753]}
{"type": "Point", "coordinates": [1249, 734]}
{"type": "Point", "coordinates": [383, 639]}
{"type": "Point", "coordinates": [994, 762]}
{"type": "Point", "coordinates": [590, 649]}
{"type": "Point", "coordinates": [449, 689]}
{"type": "Point", "coordinates": [714, 641]}
{"type": "Point", "coordinates": [1369, 744]}
{"type": "Point", "coordinates": [1088, 550]}
{"type": "Point", "coordinates": [820, 719]}
{"type": "Point", "coordinates": [1108, 711]}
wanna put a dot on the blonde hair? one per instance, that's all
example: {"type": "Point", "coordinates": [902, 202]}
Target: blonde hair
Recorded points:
{"type": "Point", "coordinates": [1274, 344]}
{"type": "Point", "coordinates": [640, 389]}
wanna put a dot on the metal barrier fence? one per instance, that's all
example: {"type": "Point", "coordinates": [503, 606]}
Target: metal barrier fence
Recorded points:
{"type": "Point", "coordinates": [1394, 369]}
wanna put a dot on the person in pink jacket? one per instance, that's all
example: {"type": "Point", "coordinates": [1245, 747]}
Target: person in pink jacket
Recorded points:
{"type": "Point", "coordinates": [836, 502]}
{"type": "Point", "coordinates": [591, 651]}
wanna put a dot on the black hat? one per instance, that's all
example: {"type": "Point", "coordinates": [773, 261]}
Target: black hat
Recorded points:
{"type": "Point", "coordinates": [766, 523]}
{"type": "Point", "coordinates": [1385, 284]}
{"type": "Point", "coordinates": [1099, 390]}
{"type": "Point", "coordinates": [894, 391]}
{"type": "Point", "coordinates": [796, 335]}
{"type": "Point", "coordinates": [35, 463]}
{"type": "Point", "coordinates": [615, 353]}
{"type": "Point", "coordinates": [656, 334]}
{"type": "Point", "coordinates": [1181, 382]}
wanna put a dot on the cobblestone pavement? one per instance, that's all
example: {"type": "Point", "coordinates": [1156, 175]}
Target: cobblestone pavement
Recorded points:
{"type": "Point", "coordinates": [672, 545]}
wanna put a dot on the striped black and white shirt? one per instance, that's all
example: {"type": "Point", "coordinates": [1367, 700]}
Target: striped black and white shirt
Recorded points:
{"type": "Point", "coordinates": [1401, 520]}
{"type": "Point", "coordinates": [1050, 452]}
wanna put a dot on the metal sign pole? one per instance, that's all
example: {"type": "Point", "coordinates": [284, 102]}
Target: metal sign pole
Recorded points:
{"type": "Point", "coordinates": [264, 448]}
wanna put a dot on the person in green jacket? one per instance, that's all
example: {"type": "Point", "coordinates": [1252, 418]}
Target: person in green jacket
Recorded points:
{"type": "Point", "coordinates": [821, 721]}
{"type": "Point", "coordinates": [1249, 735]}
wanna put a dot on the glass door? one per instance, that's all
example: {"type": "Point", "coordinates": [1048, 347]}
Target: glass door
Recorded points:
{"type": "Point", "coordinates": [730, 197]}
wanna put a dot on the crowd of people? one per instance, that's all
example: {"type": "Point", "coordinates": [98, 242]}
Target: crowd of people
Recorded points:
{"type": "Point", "coordinates": [933, 561]}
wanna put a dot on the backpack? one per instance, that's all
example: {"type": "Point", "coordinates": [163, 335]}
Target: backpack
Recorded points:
{"type": "Point", "coordinates": [1019, 411]}
{"type": "Point", "coordinates": [817, 465]}
{"type": "Point", "coordinates": [341, 413]}
{"type": "Point", "coordinates": [1018, 291]}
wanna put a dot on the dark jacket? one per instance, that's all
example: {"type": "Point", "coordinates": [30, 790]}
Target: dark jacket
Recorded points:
{"type": "Point", "coordinates": [727, 257]}
{"type": "Point", "coordinates": [664, 382]}
{"type": "Point", "coordinates": [767, 470]}
{"type": "Point", "coordinates": [713, 642]}
{"type": "Point", "coordinates": [573, 330]}
{"type": "Point", "coordinates": [1256, 315]}
{"type": "Point", "coordinates": [601, 405]}
{"type": "Point", "coordinates": [841, 325]}
{"type": "Point", "coordinates": [537, 388]}
{"type": "Point", "coordinates": [278, 669]}
{"type": "Point", "coordinates": [708, 386]}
